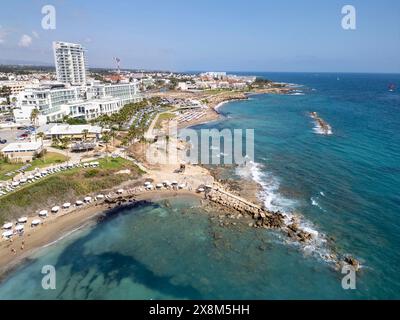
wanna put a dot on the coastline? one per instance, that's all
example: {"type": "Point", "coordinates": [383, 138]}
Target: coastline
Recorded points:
{"type": "Point", "coordinates": [58, 227]}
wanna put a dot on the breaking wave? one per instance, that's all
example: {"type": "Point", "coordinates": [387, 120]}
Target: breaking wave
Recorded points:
{"type": "Point", "coordinates": [274, 201]}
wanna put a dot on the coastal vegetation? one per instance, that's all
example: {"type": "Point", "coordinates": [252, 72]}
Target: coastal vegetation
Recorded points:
{"type": "Point", "coordinates": [162, 117]}
{"type": "Point", "coordinates": [7, 167]}
{"type": "Point", "coordinates": [66, 186]}
{"type": "Point", "coordinates": [120, 118]}
{"type": "Point", "coordinates": [74, 121]}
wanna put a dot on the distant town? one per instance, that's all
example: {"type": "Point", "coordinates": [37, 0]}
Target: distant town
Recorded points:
{"type": "Point", "coordinates": [73, 101]}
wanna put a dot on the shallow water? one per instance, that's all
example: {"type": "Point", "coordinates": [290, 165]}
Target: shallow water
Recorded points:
{"type": "Point", "coordinates": [154, 251]}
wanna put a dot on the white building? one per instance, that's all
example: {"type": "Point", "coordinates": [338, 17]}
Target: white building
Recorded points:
{"type": "Point", "coordinates": [87, 102]}
{"type": "Point", "coordinates": [17, 86]}
{"type": "Point", "coordinates": [214, 74]}
{"type": "Point", "coordinates": [70, 62]}
{"type": "Point", "coordinates": [58, 131]}
{"type": "Point", "coordinates": [182, 86]}
{"type": "Point", "coordinates": [22, 151]}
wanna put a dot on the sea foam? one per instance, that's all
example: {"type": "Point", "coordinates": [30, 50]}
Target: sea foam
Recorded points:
{"type": "Point", "coordinates": [273, 200]}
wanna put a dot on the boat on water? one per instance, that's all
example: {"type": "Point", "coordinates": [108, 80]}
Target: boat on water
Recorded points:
{"type": "Point", "coordinates": [392, 87]}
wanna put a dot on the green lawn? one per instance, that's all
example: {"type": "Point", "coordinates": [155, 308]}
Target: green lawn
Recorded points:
{"type": "Point", "coordinates": [65, 187]}
{"type": "Point", "coordinates": [44, 161]}
{"type": "Point", "coordinates": [48, 159]}
{"type": "Point", "coordinates": [7, 167]}
{"type": "Point", "coordinates": [164, 116]}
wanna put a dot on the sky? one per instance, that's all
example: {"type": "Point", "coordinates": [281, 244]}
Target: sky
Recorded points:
{"type": "Point", "coordinates": [218, 35]}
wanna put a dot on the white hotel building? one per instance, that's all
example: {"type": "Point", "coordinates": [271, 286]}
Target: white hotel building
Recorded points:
{"type": "Point", "coordinates": [70, 62]}
{"type": "Point", "coordinates": [87, 102]}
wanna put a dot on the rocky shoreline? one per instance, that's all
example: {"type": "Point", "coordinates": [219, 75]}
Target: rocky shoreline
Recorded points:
{"type": "Point", "coordinates": [326, 129]}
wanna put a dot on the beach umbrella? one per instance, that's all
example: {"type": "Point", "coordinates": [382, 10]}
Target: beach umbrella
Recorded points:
{"type": "Point", "coordinates": [43, 213]}
{"type": "Point", "coordinates": [55, 209]}
{"type": "Point", "coordinates": [36, 222]}
{"type": "Point", "coordinates": [7, 225]}
{"type": "Point", "coordinates": [79, 202]}
{"type": "Point", "coordinates": [66, 205]}
{"type": "Point", "coordinates": [119, 191]}
{"type": "Point", "coordinates": [7, 234]}
{"type": "Point", "coordinates": [19, 227]}
{"type": "Point", "coordinates": [22, 220]}
{"type": "Point", "coordinates": [87, 199]}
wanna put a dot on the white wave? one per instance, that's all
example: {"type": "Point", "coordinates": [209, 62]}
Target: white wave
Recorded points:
{"type": "Point", "coordinates": [274, 201]}
{"type": "Point", "coordinates": [270, 196]}
{"type": "Point", "coordinates": [317, 129]}
{"type": "Point", "coordinates": [315, 203]}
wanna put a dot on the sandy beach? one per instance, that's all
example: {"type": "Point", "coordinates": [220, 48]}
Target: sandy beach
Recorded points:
{"type": "Point", "coordinates": [57, 226]}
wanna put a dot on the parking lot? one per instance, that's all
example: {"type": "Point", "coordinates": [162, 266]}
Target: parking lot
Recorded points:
{"type": "Point", "coordinates": [11, 135]}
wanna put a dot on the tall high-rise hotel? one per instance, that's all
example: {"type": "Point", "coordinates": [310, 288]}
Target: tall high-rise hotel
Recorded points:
{"type": "Point", "coordinates": [76, 98]}
{"type": "Point", "coordinates": [70, 63]}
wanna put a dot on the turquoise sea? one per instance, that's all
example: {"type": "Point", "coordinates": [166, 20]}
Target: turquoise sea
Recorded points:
{"type": "Point", "coordinates": [345, 185]}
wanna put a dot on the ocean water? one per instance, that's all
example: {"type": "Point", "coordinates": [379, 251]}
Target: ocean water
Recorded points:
{"type": "Point", "coordinates": [345, 186]}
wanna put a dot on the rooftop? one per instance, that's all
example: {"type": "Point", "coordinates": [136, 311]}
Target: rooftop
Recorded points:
{"type": "Point", "coordinates": [66, 129]}
{"type": "Point", "coordinates": [22, 146]}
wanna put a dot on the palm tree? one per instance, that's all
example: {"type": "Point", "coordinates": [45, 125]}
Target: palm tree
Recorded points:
{"type": "Point", "coordinates": [66, 141]}
{"type": "Point", "coordinates": [85, 134]}
{"type": "Point", "coordinates": [34, 118]}
{"type": "Point", "coordinates": [5, 92]}
{"type": "Point", "coordinates": [106, 138]}
{"type": "Point", "coordinates": [41, 136]}
{"type": "Point", "coordinates": [113, 134]}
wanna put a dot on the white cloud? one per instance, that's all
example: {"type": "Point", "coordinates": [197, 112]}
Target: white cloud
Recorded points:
{"type": "Point", "coordinates": [25, 41]}
{"type": "Point", "coordinates": [35, 34]}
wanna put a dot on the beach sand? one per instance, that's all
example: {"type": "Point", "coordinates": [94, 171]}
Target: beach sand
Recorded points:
{"type": "Point", "coordinates": [58, 225]}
